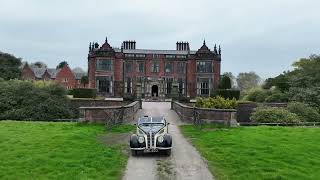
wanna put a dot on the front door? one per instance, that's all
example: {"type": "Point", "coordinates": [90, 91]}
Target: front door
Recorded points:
{"type": "Point", "coordinates": [154, 91]}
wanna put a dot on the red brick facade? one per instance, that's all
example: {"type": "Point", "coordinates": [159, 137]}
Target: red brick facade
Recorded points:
{"type": "Point", "coordinates": [127, 71]}
{"type": "Point", "coordinates": [64, 76]}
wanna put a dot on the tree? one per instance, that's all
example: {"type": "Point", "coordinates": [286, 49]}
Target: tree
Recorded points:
{"type": "Point", "coordinates": [78, 70]}
{"type": "Point", "coordinates": [39, 64]}
{"type": "Point", "coordinates": [232, 78]}
{"type": "Point", "coordinates": [84, 80]}
{"type": "Point", "coordinates": [301, 84]}
{"type": "Point", "coordinates": [225, 82]}
{"type": "Point", "coordinates": [247, 80]}
{"type": "Point", "coordinates": [9, 66]}
{"type": "Point", "coordinates": [62, 64]}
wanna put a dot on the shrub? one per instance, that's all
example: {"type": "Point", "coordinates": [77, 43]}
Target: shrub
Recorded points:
{"type": "Point", "coordinates": [274, 115]}
{"type": "Point", "coordinates": [227, 93]}
{"type": "Point", "coordinates": [257, 95]}
{"type": "Point", "coordinates": [216, 102]}
{"type": "Point", "coordinates": [23, 100]}
{"type": "Point", "coordinates": [278, 97]}
{"type": "Point", "coordinates": [305, 112]}
{"type": "Point", "coordinates": [84, 93]}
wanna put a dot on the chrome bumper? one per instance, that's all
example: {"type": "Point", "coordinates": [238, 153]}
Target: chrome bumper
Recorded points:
{"type": "Point", "coordinates": [159, 148]}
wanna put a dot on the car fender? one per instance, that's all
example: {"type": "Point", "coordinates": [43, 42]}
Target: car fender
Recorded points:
{"type": "Point", "coordinates": [168, 140]}
{"type": "Point", "coordinates": [134, 141]}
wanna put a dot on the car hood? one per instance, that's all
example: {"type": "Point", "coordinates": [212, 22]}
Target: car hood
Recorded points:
{"type": "Point", "coordinates": [152, 129]}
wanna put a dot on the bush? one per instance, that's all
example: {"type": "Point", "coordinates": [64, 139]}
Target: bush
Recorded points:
{"type": "Point", "coordinates": [84, 93]}
{"type": "Point", "coordinates": [24, 100]}
{"type": "Point", "coordinates": [216, 102]}
{"type": "Point", "coordinates": [274, 115]}
{"type": "Point", "coordinates": [278, 97]}
{"type": "Point", "coordinates": [257, 95]}
{"type": "Point", "coordinates": [305, 112]}
{"type": "Point", "coordinates": [227, 93]}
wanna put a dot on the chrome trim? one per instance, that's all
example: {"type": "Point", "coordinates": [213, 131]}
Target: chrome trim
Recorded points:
{"type": "Point", "coordinates": [164, 148]}
{"type": "Point", "coordinates": [159, 148]}
{"type": "Point", "coordinates": [137, 148]}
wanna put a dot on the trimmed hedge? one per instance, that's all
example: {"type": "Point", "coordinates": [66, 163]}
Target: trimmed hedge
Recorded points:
{"type": "Point", "coordinates": [216, 102]}
{"type": "Point", "coordinates": [227, 93]}
{"type": "Point", "coordinates": [84, 93]}
{"type": "Point", "coordinates": [274, 115]}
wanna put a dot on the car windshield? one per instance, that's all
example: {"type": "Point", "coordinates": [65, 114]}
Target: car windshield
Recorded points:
{"type": "Point", "coordinates": [151, 124]}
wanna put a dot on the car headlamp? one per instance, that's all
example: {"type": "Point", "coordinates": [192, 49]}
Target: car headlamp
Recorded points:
{"type": "Point", "coordinates": [140, 139]}
{"type": "Point", "coordinates": [160, 139]}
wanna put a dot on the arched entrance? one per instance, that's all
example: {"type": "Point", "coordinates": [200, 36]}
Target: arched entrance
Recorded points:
{"type": "Point", "coordinates": [154, 91]}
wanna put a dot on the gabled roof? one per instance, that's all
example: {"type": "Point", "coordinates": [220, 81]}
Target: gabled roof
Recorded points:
{"type": "Point", "coordinates": [38, 72]}
{"type": "Point", "coordinates": [78, 75]}
{"type": "Point", "coordinates": [53, 72]}
{"type": "Point", "coordinates": [106, 46]}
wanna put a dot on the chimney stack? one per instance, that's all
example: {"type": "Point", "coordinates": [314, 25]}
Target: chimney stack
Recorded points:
{"type": "Point", "coordinates": [182, 46]}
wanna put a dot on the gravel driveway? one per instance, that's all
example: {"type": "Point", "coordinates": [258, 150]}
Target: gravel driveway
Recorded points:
{"type": "Point", "coordinates": [184, 162]}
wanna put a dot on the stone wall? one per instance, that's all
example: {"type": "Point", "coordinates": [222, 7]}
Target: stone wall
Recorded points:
{"type": "Point", "coordinates": [219, 116]}
{"type": "Point", "coordinates": [114, 114]}
{"type": "Point", "coordinates": [245, 109]}
{"type": "Point", "coordinates": [94, 103]}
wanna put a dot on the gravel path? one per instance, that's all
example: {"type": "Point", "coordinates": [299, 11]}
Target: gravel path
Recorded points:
{"type": "Point", "coordinates": [184, 163]}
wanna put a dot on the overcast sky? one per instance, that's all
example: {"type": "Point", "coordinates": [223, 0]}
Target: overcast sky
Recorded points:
{"type": "Point", "coordinates": [264, 36]}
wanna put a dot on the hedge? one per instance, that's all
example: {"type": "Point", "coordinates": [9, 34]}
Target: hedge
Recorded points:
{"type": "Point", "coordinates": [227, 93]}
{"type": "Point", "coordinates": [84, 93]}
{"type": "Point", "coordinates": [24, 100]}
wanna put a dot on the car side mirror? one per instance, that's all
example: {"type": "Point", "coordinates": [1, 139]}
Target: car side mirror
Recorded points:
{"type": "Point", "coordinates": [168, 123]}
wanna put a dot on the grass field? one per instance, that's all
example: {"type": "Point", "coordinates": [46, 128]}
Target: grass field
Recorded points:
{"type": "Point", "coordinates": [43, 150]}
{"type": "Point", "coordinates": [259, 152]}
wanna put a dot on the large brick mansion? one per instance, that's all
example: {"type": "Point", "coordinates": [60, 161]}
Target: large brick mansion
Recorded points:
{"type": "Point", "coordinates": [128, 71]}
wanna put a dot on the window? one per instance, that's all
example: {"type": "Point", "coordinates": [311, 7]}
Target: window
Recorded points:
{"type": "Point", "coordinates": [181, 67]}
{"type": "Point", "coordinates": [141, 81]}
{"type": "Point", "coordinates": [104, 65]}
{"type": "Point", "coordinates": [168, 85]}
{"type": "Point", "coordinates": [181, 56]}
{"type": "Point", "coordinates": [181, 86]}
{"type": "Point", "coordinates": [203, 86]}
{"type": "Point", "coordinates": [104, 84]}
{"type": "Point", "coordinates": [140, 55]}
{"type": "Point", "coordinates": [128, 66]}
{"type": "Point", "coordinates": [155, 66]}
{"type": "Point", "coordinates": [128, 85]}
{"type": "Point", "coordinates": [169, 67]}
{"type": "Point", "coordinates": [129, 55]}
{"type": "Point", "coordinates": [169, 56]}
{"type": "Point", "coordinates": [156, 56]}
{"type": "Point", "coordinates": [140, 67]}
{"type": "Point", "coordinates": [65, 80]}
{"type": "Point", "coordinates": [204, 67]}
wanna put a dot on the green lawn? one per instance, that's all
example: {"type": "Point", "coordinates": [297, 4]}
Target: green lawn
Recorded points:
{"type": "Point", "coordinates": [259, 152]}
{"type": "Point", "coordinates": [44, 150]}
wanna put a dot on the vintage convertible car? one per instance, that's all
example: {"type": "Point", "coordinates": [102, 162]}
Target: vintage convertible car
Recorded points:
{"type": "Point", "coordinates": [151, 136]}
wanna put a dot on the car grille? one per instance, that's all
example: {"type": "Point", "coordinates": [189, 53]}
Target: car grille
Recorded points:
{"type": "Point", "coordinates": [150, 139]}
